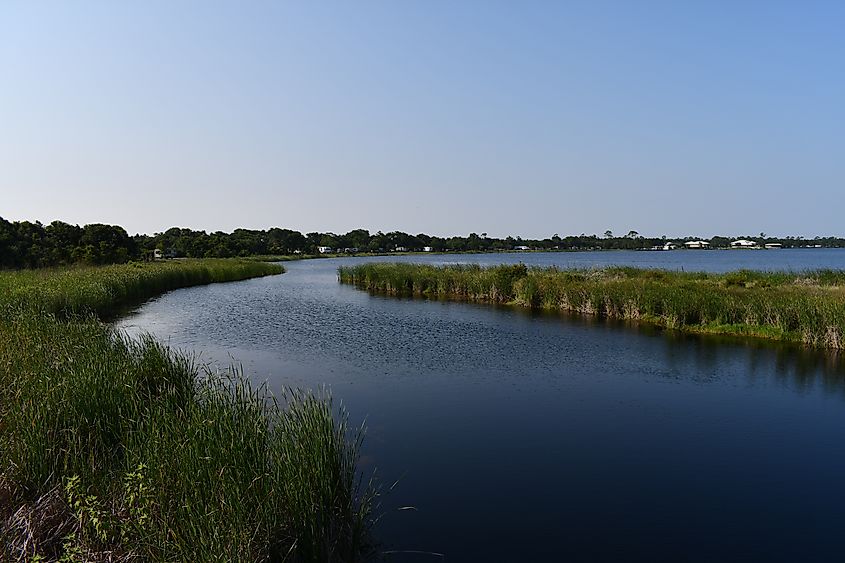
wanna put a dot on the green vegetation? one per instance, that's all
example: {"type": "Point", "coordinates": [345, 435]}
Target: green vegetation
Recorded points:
{"type": "Point", "coordinates": [115, 449]}
{"type": "Point", "coordinates": [104, 290]}
{"type": "Point", "coordinates": [808, 307]}
{"type": "Point", "coordinates": [24, 244]}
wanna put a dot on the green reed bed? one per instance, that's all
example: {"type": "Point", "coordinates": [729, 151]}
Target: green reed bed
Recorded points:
{"type": "Point", "coordinates": [115, 449]}
{"type": "Point", "coordinates": [104, 289]}
{"type": "Point", "coordinates": [806, 307]}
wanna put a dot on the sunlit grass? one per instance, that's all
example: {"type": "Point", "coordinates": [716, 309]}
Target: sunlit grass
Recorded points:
{"type": "Point", "coordinates": [806, 307]}
{"type": "Point", "coordinates": [121, 449]}
{"type": "Point", "coordinates": [102, 290]}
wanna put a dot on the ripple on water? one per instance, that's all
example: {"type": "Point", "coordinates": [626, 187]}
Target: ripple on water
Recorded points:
{"type": "Point", "coordinates": [563, 438]}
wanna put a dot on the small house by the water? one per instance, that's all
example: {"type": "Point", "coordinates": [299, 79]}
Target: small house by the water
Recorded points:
{"type": "Point", "coordinates": [743, 243]}
{"type": "Point", "coordinates": [774, 245]}
{"type": "Point", "coordinates": [666, 246]}
{"type": "Point", "coordinates": [697, 244]}
{"type": "Point", "coordinates": [324, 249]}
{"type": "Point", "coordinates": [427, 249]}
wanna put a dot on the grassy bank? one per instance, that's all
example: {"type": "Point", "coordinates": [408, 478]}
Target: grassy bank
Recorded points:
{"type": "Point", "coordinates": [806, 307]}
{"type": "Point", "coordinates": [102, 290]}
{"type": "Point", "coordinates": [122, 450]}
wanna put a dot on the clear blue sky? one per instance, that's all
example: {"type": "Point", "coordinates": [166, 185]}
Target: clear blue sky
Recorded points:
{"type": "Point", "coordinates": [445, 117]}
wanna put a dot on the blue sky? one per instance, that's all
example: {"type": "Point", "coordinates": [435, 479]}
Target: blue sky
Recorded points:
{"type": "Point", "coordinates": [523, 118]}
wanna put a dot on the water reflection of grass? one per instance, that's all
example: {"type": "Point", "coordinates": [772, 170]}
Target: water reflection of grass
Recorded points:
{"type": "Point", "coordinates": [807, 307]}
{"type": "Point", "coordinates": [114, 449]}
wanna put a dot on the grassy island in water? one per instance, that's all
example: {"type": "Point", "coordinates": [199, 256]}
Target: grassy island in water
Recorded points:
{"type": "Point", "coordinates": [806, 307]}
{"type": "Point", "coordinates": [116, 449]}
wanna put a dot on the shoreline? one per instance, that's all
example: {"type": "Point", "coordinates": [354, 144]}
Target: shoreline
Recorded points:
{"type": "Point", "coordinates": [295, 257]}
{"type": "Point", "coordinates": [119, 447]}
{"type": "Point", "coordinates": [806, 308]}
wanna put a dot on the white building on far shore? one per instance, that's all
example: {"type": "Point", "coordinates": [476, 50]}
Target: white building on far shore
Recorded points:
{"type": "Point", "coordinates": [743, 243]}
{"type": "Point", "coordinates": [697, 244]}
{"type": "Point", "coordinates": [666, 246]}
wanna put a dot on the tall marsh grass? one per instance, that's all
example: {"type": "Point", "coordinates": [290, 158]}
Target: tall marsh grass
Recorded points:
{"type": "Point", "coordinates": [807, 307]}
{"type": "Point", "coordinates": [115, 449]}
{"type": "Point", "coordinates": [105, 289]}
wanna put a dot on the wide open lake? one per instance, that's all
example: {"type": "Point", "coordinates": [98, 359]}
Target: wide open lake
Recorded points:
{"type": "Point", "coordinates": [536, 437]}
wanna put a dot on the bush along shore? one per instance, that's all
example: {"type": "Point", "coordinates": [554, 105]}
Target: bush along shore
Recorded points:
{"type": "Point", "coordinates": [118, 449]}
{"type": "Point", "coordinates": [807, 307]}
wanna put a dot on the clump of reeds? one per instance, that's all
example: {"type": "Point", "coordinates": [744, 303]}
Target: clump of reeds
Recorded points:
{"type": "Point", "coordinates": [470, 282]}
{"type": "Point", "coordinates": [116, 449]}
{"type": "Point", "coordinates": [808, 307]}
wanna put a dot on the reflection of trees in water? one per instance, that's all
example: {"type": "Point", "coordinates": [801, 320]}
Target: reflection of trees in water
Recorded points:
{"type": "Point", "coordinates": [762, 362]}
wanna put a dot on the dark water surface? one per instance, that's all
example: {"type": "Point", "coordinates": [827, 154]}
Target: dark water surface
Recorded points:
{"type": "Point", "coordinates": [535, 437]}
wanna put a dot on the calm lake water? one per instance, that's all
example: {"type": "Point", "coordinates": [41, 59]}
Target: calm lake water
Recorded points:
{"type": "Point", "coordinates": [536, 437]}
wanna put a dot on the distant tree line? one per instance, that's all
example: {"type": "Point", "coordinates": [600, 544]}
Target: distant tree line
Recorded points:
{"type": "Point", "coordinates": [276, 241]}
{"type": "Point", "coordinates": [24, 244]}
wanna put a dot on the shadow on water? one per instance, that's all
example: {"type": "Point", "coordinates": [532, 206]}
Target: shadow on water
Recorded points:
{"type": "Point", "coordinates": [788, 363]}
{"type": "Point", "coordinates": [784, 363]}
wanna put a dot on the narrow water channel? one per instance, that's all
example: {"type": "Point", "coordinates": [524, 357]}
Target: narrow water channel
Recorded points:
{"type": "Point", "coordinates": [525, 437]}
